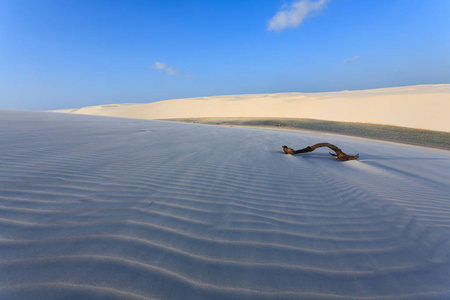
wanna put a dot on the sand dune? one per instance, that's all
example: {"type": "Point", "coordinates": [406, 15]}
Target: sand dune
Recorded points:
{"type": "Point", "coordinates": [420, 106]}
{"type": "Point", "coordinates": [94, 207]}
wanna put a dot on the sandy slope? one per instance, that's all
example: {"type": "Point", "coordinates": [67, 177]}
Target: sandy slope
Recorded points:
{"type": "Point", "coordinates": [420, 106]}
{"type": "Point", "coordinates": [95, 207]}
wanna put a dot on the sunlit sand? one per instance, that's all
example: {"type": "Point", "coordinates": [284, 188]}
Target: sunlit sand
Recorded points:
{"type": "Point", "coordinates": [420, 106]}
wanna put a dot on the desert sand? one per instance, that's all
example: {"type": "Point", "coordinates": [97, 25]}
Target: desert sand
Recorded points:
{"type": "Point", "coordinates": [419, 106]}
{"type": "Point", "coordinates": [95, 207]}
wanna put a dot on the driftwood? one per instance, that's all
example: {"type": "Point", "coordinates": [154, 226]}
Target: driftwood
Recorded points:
{"type": "Point", "coordinates": [339, 154]}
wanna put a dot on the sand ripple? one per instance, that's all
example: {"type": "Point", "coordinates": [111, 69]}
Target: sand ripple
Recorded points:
{"type": "Point", "coordinates": [94, 207]}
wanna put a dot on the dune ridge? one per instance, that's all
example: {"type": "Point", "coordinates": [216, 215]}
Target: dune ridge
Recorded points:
{"type": "Point", "coordinates": [139, 209]}
{"type": "Point", "coordinates": [419, 106]}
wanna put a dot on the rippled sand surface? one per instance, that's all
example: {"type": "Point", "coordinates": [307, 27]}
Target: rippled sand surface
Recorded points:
{"type": "Point", "coordinates": [97, 207]}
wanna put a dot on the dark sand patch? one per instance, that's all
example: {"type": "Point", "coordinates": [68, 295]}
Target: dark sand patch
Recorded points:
{"type": "Point", "coordinates": [419, 137]}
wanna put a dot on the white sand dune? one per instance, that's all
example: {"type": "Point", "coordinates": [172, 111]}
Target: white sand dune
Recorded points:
{"type": "Point", "coordinates": [101, 110]}
{"type": "Point", "coordinates": [113, 208]}
{"type": "Point", "coordinates": [420, 106]}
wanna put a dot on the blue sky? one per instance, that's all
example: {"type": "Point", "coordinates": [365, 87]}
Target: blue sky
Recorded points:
{"type": "Point", "coordinates": [66, 54]}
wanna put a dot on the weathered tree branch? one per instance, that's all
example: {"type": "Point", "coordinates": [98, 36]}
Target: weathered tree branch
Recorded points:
{"type": "Point", "coordinates": [339, 154]}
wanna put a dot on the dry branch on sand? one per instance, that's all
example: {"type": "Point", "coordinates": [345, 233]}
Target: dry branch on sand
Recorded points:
{"type": "Point", "coordinates": [339, 154]}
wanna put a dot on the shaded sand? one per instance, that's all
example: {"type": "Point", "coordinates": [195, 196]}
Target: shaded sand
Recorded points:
{"type": "Point", "coordinates": [94, 207]}
{"type": "Point", "coordinates": [419, 137]}
{"type": "Point", "coordinates": [420, 106]}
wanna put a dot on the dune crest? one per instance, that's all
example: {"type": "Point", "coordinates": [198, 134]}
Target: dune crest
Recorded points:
{"type": "Point", "coordinates": [419, 106]}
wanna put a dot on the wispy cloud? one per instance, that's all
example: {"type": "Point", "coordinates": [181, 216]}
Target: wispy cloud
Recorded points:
{"type": "Point", "coordinates": [350, 60]}
{"type": "Point", "coordinates": [162, 66]}
{"type": "Point", "coordinates": [292, 15]}
{"type": "Point", "coordinates": [170, 70]}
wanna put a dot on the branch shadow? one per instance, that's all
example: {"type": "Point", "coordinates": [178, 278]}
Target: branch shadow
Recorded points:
{"type": "Point", "coordinates": [363, 157]}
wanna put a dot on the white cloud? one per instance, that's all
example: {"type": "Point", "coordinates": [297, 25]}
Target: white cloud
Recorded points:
{"type": "Point", "coordinates": [170, 70]}
{"type": "Point", "coordinates": [350, 60]}
{"type": "Point", "coordinates": [162, 66]}
{"type": "Point", "coordinates": [292, 15]}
